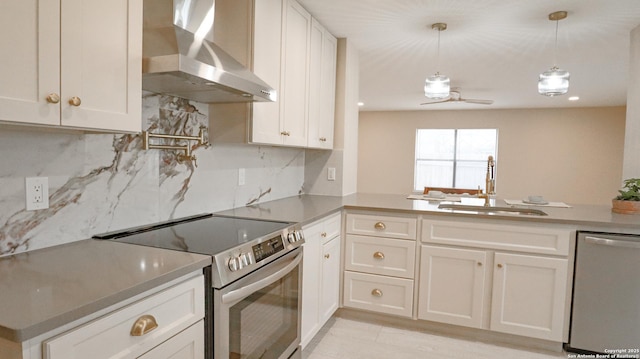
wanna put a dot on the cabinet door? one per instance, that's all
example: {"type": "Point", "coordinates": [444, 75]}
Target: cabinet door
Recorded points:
{"type": "Point", "coordinates": [188, 344]}
{"type": "Point", "coordinates": [322, 84]}
{"type": "Point", "coordinates": [328, 89]}
{"type": "Point", "coordinates": [294, 76]}
{"type": "Point", "coordinates": [452, 283]}
{"type": "Point", "coordinates": [528, 295]}
{"type": "Point", "coordinates": [101, 64]}
{"type": "Point", "coordinates": [330, 281]}
{"type": "Point", "coordinates": [30, 69]}
{"type": "Point", "coordinates": [312, 249]}
{"type": "Point", "coordinates": [315, 78]}
{"type": "Point", "coordinates": [267, 41]}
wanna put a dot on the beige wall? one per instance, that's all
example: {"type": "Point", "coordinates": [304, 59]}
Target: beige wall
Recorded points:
{"type": "Point", "coordinates": [571, 155]}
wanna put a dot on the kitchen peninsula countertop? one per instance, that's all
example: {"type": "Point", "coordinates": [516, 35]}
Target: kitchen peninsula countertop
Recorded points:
{"type": "Point", "coordinates": [308, 208]}
{"type": "Point", "coordinates": [46, 288]}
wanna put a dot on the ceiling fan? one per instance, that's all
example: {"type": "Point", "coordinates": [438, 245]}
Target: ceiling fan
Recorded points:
{"type": "Point", "coordinates": [454, 96]}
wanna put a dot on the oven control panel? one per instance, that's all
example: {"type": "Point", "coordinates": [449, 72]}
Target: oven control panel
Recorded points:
{"type": "Point", "coordinates": [268, 248]}
{"type": "Point", "coordinates": [288, 240]}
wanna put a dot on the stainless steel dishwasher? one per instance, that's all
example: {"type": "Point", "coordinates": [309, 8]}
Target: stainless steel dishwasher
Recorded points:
{"type": "Point", "coordinates": [605, 316]}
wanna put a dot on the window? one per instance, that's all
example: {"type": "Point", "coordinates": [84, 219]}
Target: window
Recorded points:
{"type": "Point", "coordinates": [453, 157]}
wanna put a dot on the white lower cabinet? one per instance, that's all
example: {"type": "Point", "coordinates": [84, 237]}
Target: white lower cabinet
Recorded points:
{"type": "Point", "coordinates": [380, 252]}
{"type": "Point", "coordinates": [320, 274]}
{"type": "Point", "coordinates": [170, 321]}
{"type": "Point", "coordinates": [482, 287]}
{"type": "Point", "coordinates": [528, 296]}
{"type": "Point", "coordinates": [452, 285]}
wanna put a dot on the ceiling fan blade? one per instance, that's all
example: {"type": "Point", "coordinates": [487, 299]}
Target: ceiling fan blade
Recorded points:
{"type": "Point", "coordinates": [480, 102]}
{"type": "Point", "coordinates": [434, 102]}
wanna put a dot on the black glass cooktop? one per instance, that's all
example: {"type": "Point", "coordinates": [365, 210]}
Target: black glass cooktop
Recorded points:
{"type": "Point", "coordinates": [205, 234]}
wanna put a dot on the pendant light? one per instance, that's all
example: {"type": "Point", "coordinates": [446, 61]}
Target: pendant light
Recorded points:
{"type": "Point", "coordinates": [437, 86]}
{"type": "Point", "coordinates": [554, 81]}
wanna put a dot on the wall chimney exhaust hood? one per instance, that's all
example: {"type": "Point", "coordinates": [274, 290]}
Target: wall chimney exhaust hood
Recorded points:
{"type": "Point", "coordinates": [180, 58]}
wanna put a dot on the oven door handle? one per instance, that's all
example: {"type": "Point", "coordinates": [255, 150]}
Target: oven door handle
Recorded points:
{"type": "Point", "coordinates": [242, 292]}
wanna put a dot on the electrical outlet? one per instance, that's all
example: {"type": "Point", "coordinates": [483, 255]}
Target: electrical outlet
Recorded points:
{"type": "Point", "coordinates": [36, 193]}
{"type": "Point", "coordinates": [241, 177]}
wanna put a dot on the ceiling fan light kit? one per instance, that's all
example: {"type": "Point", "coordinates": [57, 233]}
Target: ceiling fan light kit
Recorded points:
{"type": "Point", "coordinates": [554, 81]}
{"type": "Point", "coordinates": [437, 86]}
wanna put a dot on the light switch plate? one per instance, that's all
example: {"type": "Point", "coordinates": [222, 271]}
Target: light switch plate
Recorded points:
{"type": "Point", "coordinates": [331, 174]}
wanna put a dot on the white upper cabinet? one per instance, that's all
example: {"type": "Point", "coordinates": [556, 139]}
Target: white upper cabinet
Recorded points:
{"type": "Point", "coordinates": [72, 63]}
{"type": "Point", "coordinates": [322, 86]}
{"type": "Point", "coordinates": [297, 56]}
{"type": "Point", "coordinates": [295, 76]}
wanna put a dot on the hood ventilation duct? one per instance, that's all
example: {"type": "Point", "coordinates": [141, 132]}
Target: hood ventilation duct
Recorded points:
{"type": "Point", "coordinates": [180, 58]}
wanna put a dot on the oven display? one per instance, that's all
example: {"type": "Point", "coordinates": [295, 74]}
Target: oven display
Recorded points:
{"type": "Point", "coordinates": [267, 248]}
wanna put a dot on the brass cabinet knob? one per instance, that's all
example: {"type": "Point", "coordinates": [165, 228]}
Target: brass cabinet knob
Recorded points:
{"type": "Point", "coordinates": [499, 265]}
{"type": "Point", "coordinates": [75, 101]}
{"type": "Point", "coordinates": [379, 225]}
{"type": "Point", "coordinates": [53, 98]}
{"type": "Point", "coordinates": [143, 325]}
{"type": "Point", "coordinates": [378, 255]}
{"type": "Point", "coordinates": [327, 255]}
{"type": "Point", "coordinates": [479, 264]}
{"type": "Point", "coordinates": [376, 293]}
{"type": "Point", "coordinates": [285, 133]}
{"type": "Point", "coordinates": [323, 234]}
{"type": "Point", "coordinates": [323, 139]}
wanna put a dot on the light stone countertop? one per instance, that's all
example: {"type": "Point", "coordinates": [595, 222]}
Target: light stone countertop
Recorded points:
{"type": "Point", "coordinates": [308, 208]}
{"type": "Point", "coordinates": [46, 288]}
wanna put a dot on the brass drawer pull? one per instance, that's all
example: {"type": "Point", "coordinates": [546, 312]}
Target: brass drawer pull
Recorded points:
{"type": "Point", "coordinates": [143, 325]}
{"type": "Point", "coordinates": [327, 256]}
{"type": "Point", "coordinates": [323, 139]}
{"type": "Point", "coordinates": [378, 255]}
{"type": "Point", "coordinates": [499, 265]}
{"type": "Point", "coordinates": [376, 293]}
{"type": "Point", "coordinates": [379, 225]}
{"type": "Point", "coordinates": [323, 234]}
{"type": "Point", "coordinates": [285, 133]}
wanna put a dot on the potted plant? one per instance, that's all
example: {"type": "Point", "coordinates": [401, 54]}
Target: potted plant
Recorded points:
{"type": "Point", "coordinates": [628, 201]}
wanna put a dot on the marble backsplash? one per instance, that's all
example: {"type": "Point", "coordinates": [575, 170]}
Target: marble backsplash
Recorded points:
{"type": "Point", "coordinates": [106, 182]}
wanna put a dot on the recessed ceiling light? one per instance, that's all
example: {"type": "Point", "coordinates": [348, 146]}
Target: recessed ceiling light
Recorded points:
{"type": "Point", "coordinates": [360, 104]}
{"type": "Point", "coordinates": [574, 98]}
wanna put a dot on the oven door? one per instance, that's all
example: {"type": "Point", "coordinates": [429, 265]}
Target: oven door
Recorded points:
{"type": "Point", "coordinates": [258, 316]}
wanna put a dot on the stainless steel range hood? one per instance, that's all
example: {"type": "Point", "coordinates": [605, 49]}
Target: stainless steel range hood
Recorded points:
{"type": "Point", "coordinates": [180, 58]}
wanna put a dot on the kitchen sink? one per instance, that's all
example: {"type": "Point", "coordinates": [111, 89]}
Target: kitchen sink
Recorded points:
{"type": "Point", "coordinates": [492, 210]}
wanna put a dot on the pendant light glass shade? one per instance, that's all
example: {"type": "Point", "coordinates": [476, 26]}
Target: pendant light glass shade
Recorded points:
{"type": "Point", "coordinates": [553, 82]}
{"type": "Point", "coordinates": [437, 86]}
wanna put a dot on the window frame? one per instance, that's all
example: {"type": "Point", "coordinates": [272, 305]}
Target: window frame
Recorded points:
{"type": "Point", "coordinates": [455, 158]}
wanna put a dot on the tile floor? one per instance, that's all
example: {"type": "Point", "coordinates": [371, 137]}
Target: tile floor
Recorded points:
{"type": "Point", "coordinates": [349, 339]}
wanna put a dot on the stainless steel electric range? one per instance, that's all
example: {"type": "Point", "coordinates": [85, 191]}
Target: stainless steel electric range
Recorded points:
{"type": "Point", "coordinates": [253, 304]}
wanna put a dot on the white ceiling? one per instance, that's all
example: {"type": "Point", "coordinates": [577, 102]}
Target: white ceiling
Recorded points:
{"type": "Point", "coordinates": [492, 49]}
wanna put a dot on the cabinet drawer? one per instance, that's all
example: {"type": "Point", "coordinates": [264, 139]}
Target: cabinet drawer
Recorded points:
{"type": "Point", "coordinates": [174, 309]}
{"type": "Point", "coordinates": [188, 344]}
{"type": "Point", "coordinates": [332, 225]}
{"type": "Point", "coordinates": [377, 293]}
{"type": "Point", "coordinates": [498, 236]}
{"type": "Point", "coordinates": [382, 226]}
{"type": "Point", "coordinates": [384, 256]}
